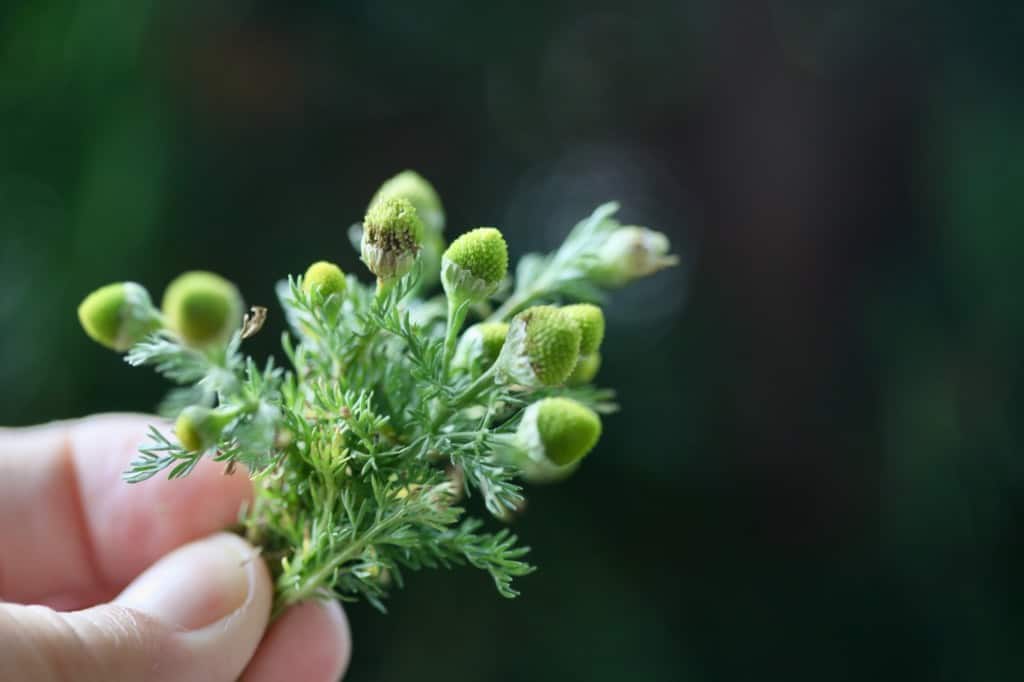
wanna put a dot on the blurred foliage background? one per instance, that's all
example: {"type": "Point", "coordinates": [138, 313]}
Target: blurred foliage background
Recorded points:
{"type": "Point", "coordinates": [817, 474]}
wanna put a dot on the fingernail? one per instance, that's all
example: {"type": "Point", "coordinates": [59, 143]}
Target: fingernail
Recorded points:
{"type": "Point", "coordinates": [197, 584]}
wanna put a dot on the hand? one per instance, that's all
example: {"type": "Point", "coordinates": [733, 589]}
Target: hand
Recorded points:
{"type": "Point", "coordinates": [163, 595]}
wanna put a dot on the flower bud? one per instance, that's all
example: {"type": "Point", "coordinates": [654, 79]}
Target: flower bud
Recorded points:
{"type": "Point", "coordinates": [324, 283]}
{"type": "Point", "coordinates": [119, 315]}
{"type": "Point", "coordinates": [542, 347]}
{"type": "Point", "coordinates": [199, 428]}
{"type": "Point", "coordinates": [586, 369]}
{"type": "Point", "coordinates": [203, 308]}
{"type": "Point", "coordinates": [323, 279]}
{"type": "Point", "coordinates": [481, 345]}
{"type": "Point", "coordinates": [558, 431]}
{"type": "Point", "coordinates": [630, 253]}
{"type": "Point", "coordinates": [413, 187]}
{"type": "Point", "coordinates": [392, 236]}
{"type": "Point", "coordinates": [475, 264]}
{"type": "Point", "coordinates": [590, 319]}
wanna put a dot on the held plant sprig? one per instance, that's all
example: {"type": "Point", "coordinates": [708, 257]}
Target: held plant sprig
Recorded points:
{"type": "Point", "coordinates": [367, 451]}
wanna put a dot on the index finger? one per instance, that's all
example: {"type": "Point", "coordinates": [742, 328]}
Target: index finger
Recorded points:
{"type": "Point", "coordinates": [74, 532]}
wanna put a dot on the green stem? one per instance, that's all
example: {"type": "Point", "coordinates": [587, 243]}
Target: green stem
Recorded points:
{"type": "Point", "coordinates": [514, 304]}
{"type": "Point", "coordinates": [457, 311]}
{"type": "Point", "coordinates": [384, 287]}
{"type": "Point", "coordinates": [485, 381]}
{"type": "Point", "coordinates": [318, 579]}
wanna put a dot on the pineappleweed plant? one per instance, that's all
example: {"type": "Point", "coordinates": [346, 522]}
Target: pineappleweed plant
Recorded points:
{"type": "Point", "coordinates": [391, 414]}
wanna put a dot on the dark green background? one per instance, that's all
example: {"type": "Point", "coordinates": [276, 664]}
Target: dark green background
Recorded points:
{"type": "Point", "coordinates": [817, 471]}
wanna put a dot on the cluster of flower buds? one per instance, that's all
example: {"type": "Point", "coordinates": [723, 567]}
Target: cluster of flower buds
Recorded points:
{"type": "Point", "coordinates": [541, 347]}
{"type": "Point", "coordinates": [202, 309]}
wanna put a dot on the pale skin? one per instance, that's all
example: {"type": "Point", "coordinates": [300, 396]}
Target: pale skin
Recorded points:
{"type": "Point", "coordinates": [102, 580]}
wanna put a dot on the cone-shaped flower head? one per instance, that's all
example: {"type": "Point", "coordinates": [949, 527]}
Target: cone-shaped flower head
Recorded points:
{"type": "Point", "coordinates": [586, 370]}
{"type": "Point", "coordinates": [481, 345]}
{"type": "Point", "coordinates": [420, 193]}
{"type": "Point", "coordinates": [542, 347]}
{"type": "Point", "coordinates": [559, 430]}
{"type": "Point", "coordinates": [203, 308]}
{"type": "Point", "coordinates": [590, 318]}
{"type": "Point", "coordinates": [475, 264]}
{"type": "Point", "coordinates": [199, 428]}
{"type": "Point", "coordinates": [631, 252]}
{"type": "Point", "coordinates": [119, 315]}
{"type": "Point", "coordinates": [324, 279]}
{"type": "Point", "coordinates": [392, 235]}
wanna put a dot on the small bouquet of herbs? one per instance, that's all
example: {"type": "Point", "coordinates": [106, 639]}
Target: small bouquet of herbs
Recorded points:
{"type": "Point", "coordinates": [391, 414]}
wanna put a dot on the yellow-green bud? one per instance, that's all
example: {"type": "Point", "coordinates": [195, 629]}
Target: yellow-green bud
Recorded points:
{"type": "Point", "coordinates": [203, 308]}
{"type": "Point", "coordinates": [324, 279]}
{"type": "Point", "coordinates": [559, 430]}
{"type": "Point", "coordinates": [481, 345]}
{"type": "Point", "coordinates": [421, 194]}
{"type": "Point", "coordinates": [392, 236]}
{"type": "Point", "coordinates": [630, 253]}
{"type": "Point", "coordinates": [119, 315]}
{"type": "Point", "coordinates": [542, 347]}
{"type": "Point", "coordinates": [586, 370]}
{"type": "Point", "coordinates": [199, 428]}
{"type": "Point", "coordinates": [590, 319]}
{"type": "Point", "coordinates": [475, 264]}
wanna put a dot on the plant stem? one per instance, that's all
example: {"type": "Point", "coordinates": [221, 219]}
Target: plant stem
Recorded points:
{"type": "Point", "coordinates": [485, 381]}
{"type": "Point", "coordinates": [384, 287]}
{"type": "Point", "coordinates": [514, 304]}
{"type": "Point", "coordinates": [457, 311]}
{"type": "Point", "coordinates": [318, 579]}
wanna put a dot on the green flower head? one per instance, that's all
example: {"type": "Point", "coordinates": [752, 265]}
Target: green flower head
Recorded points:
{"type": "Point", "coordinates": [586, 369]}
{"type": "Point", "coordinates": [475, 264]}
{"type": "Point", "coordinates": [119, 315]}
{"type": "Point", "coordinates": [590, 319]}
{"type": "Point", "coordinates": [421, 194]}
{"type": "Point", "coordinates": [542, 348]}
{"type": "Point", "coordinates": [203, 308]}
{"type": "Point", "coordinates": [392, 236]}
{"type": "Point", "coordinates": [324, 278]}
{"type": "Point", "coordinates": [199, 428]}
{"type": "Point", "coordinates": [559, 430]}
{"type": "Point", "coordinates": [481, 345]}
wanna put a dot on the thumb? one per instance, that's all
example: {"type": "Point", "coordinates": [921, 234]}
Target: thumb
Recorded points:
{"type": "Point", "coordinates": [197, 614]}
